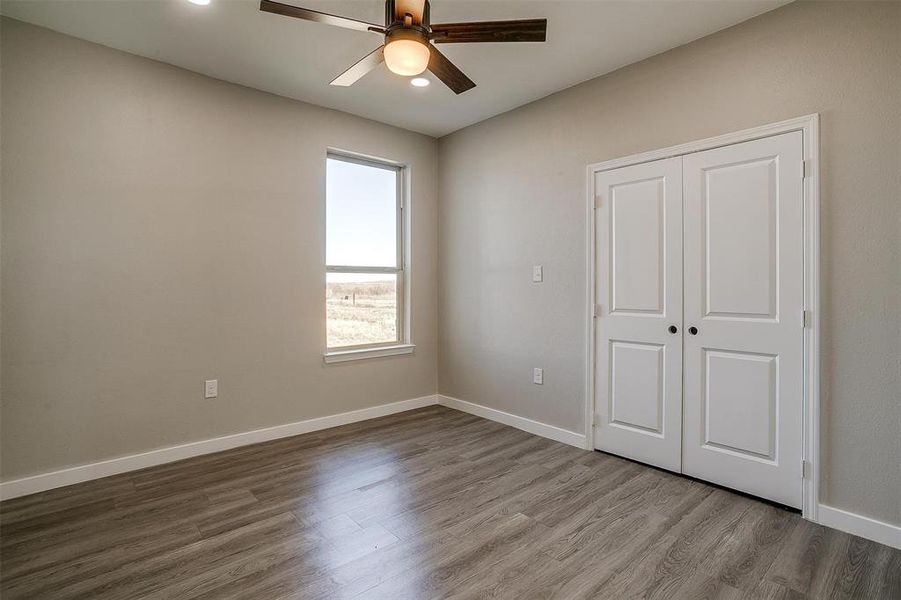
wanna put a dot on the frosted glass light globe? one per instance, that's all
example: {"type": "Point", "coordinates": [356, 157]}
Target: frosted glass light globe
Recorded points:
{"type": "Point", "coordinates": [406, 57]}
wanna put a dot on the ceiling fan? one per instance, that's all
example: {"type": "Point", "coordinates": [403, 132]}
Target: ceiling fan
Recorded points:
{"type": "Point", "coordinates": [410, 39]}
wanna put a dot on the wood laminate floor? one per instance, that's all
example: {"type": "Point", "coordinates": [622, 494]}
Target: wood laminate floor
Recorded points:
{"type": "Point", "coordinates": [428, 503]}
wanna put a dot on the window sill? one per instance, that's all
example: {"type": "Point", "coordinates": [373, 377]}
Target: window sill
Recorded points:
{"type": "Point", "coordinates": [338, 356]}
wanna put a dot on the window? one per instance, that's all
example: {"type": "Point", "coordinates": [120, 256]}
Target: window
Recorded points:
{"type": "Point", "coordinates": [364, 293]}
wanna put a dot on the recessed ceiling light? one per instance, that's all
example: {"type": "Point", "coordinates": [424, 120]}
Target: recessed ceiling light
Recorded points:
{"type": "Point", "coordinates": [419, 82]}
{"type": "Point", "coordinates": [199, 2]}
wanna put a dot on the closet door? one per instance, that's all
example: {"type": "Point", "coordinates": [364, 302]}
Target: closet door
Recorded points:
{"type": "Point", "coordinates": [638, 367]}
{"type": "Point", "coordinates": [743, 341]}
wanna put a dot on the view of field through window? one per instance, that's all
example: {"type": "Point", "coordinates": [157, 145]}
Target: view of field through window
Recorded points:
{"type": "Point", "coordinates": [360, 310]}
{"type": "Point", "coordinates": [361, 293]}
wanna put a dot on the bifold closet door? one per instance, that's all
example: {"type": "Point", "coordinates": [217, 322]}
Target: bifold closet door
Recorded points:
{"type": "Point", "coordinates": [638, 367]}
{"type": "Point", "coordinates": [743, 342]}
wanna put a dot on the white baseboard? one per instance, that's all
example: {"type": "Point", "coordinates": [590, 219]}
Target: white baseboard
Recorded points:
{"type": "Point", "coordinates": [865, 527]}
{"type": "Point", "coordinates": [543, 429]}
{"type": "Point", "coordinates": [849, 522]}
{"type": "Point", "coordinates": [133, 462]}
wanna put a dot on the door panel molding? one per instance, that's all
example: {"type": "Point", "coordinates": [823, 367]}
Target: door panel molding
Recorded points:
{"type": "Point", "coordinates": [767, 366]}
{"type": "Point", "coordinates": [809, 127]}
{"type": "Point", "coordinates": [754, 295]}
{"type": "Point", "coordinates": [641, 289]}
{"type": "Point", "coordinates": [650, 420]}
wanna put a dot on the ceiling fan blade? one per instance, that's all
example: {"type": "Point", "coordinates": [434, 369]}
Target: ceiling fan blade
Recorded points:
{"type": "Point", "coordinates": [526, 30]}
{"type": "Point", "coordinates": [360, 68]}
{"type": "Point", "coordinates": [314, 15]}
{"type": "Point", "coordinates": [448, 73]}
{"type": "Point", "coordinates": [415, 8]}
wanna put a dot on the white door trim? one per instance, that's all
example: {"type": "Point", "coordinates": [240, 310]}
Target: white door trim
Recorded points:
{"type": "Point", "coordinates": [809, 127]}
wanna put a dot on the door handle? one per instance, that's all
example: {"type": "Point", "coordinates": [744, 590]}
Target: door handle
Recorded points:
{"type": "Point", "coordinates": [673, 329]}
{"type": "Point", "coordinates": [693, 330]}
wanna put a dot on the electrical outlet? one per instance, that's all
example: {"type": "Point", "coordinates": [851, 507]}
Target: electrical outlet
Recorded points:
{"type": "Point", "coordinates": [537, 274]}
{"type": "Point", "coordinates": [538, 376]}
{"type": "Point", "coordinates": [211, 388]}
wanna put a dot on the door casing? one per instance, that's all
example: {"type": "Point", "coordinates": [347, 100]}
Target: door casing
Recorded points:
{"type": "Point", "coordinates": [809, 127]}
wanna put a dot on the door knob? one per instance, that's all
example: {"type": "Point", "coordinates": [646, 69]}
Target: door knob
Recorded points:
{"type": "Point", "coordinates": [673, 329]}
{"type": "Point", "coordinates": [693, 330]}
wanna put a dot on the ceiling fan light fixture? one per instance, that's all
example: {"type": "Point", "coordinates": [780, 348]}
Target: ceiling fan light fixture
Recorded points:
{"type": "Point", "coordinates": [419, 82]}
{"type": "Point", "coordinates": [406, 56]}
{"type": "Point", "coordinates": [411, 39]}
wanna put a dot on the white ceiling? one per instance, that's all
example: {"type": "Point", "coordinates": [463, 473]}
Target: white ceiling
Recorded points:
{"type": "Point", "coordinates": [234, 41]}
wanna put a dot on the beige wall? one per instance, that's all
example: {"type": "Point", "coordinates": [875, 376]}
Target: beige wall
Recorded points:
{"type": "Point", "coordinates": [160, 228]}
{"type": "Point", "coordinates": [512, 194]}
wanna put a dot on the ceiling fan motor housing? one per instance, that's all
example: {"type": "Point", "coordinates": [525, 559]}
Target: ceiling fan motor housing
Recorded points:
{"type": "Point", "coordinates": [400, 32]}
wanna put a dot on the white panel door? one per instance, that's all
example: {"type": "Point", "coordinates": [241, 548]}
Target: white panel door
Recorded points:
{"type": "Point", "coordinates": [638, 368]}
{"type": "Point", "coordinates": [743, 342]}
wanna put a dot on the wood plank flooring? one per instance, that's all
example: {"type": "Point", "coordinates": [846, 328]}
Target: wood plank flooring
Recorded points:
{"type": "Point", "coordinates": [431, 503]}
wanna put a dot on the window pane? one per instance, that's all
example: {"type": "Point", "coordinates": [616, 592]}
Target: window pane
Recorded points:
{"type": "Point", "coordinates": [361, 215]}
{"type": "Point", "coordinates": [361, 308]}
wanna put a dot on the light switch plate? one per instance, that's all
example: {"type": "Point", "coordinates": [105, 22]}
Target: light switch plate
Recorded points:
{"type": "Point", "coordinates": [537, 274]}
{"type": "Point", "coordinates": [211, 388]}
{"type": "Point", "coordinates": [538, 376]}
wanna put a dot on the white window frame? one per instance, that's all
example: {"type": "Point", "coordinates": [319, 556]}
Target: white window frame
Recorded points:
{"type": "Point", "coordinates": [402, 344]}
